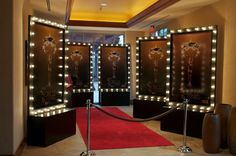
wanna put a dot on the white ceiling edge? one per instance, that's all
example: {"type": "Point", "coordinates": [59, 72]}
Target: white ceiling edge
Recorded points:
{"type": "Point", "coordinates": [58, 9]}
{"type": "Point", "coordinates": [104, 29]}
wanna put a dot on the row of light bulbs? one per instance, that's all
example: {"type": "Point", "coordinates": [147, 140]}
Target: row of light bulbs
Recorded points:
{"type": "Point", "coordinates": [84, 90]}
{"type": "Point", "coordinates": [144, 97]}
{"type": "Point", "coordinates": [167, 97]}
{"type": "Point", "coordinates": [51, 110]}
{"type": "Point", "coordinates": [99, 67]}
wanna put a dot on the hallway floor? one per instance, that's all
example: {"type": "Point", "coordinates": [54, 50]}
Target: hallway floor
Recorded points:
{"type": "Point", "coordinates": [74, 145]}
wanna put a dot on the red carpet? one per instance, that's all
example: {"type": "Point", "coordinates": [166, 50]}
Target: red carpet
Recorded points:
{"type": "Point", "coordinates": [110, 133]}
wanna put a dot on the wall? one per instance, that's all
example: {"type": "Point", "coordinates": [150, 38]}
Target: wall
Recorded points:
{"type": "Point", "coordinates": [6, 78]}
{"type": "Point", "coordinates": [229, 74]}
{"type": "Point", "coordinates": [221, 14]}
{"type": "Point", "coordinates": [18, 66]}
{"type": "Point", "coordinates": [11, 81]}
{"type": "Point", "coordinates": [130, 37]}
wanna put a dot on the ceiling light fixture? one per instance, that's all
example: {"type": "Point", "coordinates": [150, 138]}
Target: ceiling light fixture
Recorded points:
{"type": "Point", "coordinates": [102, 5]}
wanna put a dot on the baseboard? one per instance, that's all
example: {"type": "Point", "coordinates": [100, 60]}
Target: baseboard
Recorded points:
{"type": "Point", "coordinates": [20, 148]}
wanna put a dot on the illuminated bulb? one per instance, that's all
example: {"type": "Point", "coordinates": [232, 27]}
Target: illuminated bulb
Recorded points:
{"type": "Point", "coordinates": [172, 31]}
{"type": "Point", "coordinates": [210, 27]}
{"type": "Point", "coordinates": [34, 18]}
{"type": "Point", "coordinates": [213, 41]}
{"type": "Point", "coordinates": [202, 107]}
{"type": "Point", "coordinates": [188, 30]}
{"type": "Point", "coordinates": [31, 66]}
{"type": "Point", "coordinates": [208, 108]}
{"type": "Point", "coordinates": [31, 108]}
{"type": "Point", "coordinates": [32, 33]}
{"type": "Point", "coordinates": [32, 23]}
{"type": "Point", "coordinates": [180, 30]}
{"type": "Point", "coordinates": [204, 28]}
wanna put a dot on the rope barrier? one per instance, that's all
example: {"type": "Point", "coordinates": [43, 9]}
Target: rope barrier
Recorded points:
{"type": "Point", "coordinates": [135, 120]}
{"type": "Point", "coordinates": [183, 148]}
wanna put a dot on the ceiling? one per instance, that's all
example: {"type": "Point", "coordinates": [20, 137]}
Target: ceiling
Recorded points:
{"type": "Point", "coordinates": [58, 7]}
{"type": "Point", "coordinates": [117, 11]}
{"type": "Point", "coordinates": [108, 10]}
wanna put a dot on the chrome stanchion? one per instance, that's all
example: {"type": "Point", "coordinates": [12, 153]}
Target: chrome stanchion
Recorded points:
{"type": "Point", "coordinates": [88, 151]}
{"type": "Point", "coordinates": [184, 148]}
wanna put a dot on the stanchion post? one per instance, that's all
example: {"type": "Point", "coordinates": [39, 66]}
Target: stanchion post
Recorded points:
{"type": "Point", "coordinates": [88, 151]}
{"type": "Point", "coordinates": [184, 148]}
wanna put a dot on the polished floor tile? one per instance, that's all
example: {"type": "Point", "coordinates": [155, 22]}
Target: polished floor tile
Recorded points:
{"type": "Point", "coordinates": [74, 145]}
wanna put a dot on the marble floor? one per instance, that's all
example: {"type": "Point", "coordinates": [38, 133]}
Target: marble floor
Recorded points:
{"type": "Point", "coordinates": [74, 145]}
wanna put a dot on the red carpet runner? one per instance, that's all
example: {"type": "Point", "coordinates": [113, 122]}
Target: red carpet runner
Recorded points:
{"type": "Point", "coordinates": [110, 133]}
